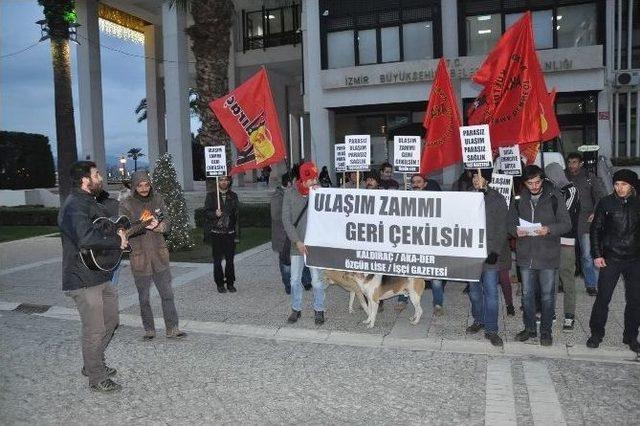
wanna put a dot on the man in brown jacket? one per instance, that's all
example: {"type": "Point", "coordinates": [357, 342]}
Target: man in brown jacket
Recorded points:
{"type": "Point", "coordinates": [150, 256]}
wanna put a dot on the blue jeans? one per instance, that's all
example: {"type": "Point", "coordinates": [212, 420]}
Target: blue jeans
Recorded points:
{"type": "Point", "coordinates": [484, 300]}
{"type": "Point", "coordinates": [589, 271]}
{"type": "Point", "coordinates": [297, 265]}
{"type": "Point", "coordinates": [285, 274]}
{"type": "Point", "coordinates": [545, 280]}
{"type": "Point", "coordinates": [437, 290]}
{"type": "Point", "coordinates": [115, 277]}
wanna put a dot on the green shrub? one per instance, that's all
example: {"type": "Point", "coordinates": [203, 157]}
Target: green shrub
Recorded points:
{"type": "Point", "coordinates": [255, 215]}
{"type": "Point", "coordinates": [25, 161]}
{"type": "Point", "coordinates": [29, 215]}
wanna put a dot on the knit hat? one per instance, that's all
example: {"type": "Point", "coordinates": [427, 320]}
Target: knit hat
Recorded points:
{"type": "Point", "coordinates": [626, 175]}
{"type": "Point", "coordinates": [307, 171]}
{"type": "Point", "coordinates": [138, 177]}
{"type": "Point", "coordinates": [556, 174]}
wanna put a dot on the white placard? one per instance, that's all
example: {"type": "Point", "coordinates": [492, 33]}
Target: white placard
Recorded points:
{"type": "Point", "coordinates": [406, 154]}
{"type": "Point", "coordinates": [510, 160]}
{"type": "Point", "coordinates": [340, 158]}
{"type": "Point", "coordinates": [429, 234]}
{"type": "Point", "coordinates": [476, 146]}
{"type": "Point", "coordinates": [502, 184]}
{"type": "Point", "coordinates": [215, 161]}
{"type": "Point", "coordinates": [358, 152]}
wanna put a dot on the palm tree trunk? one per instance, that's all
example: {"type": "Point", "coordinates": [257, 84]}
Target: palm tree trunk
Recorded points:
{"type": "Point", "coordinates": [211, 37]}
{"type": "Point", "coordinates": [65, 125]}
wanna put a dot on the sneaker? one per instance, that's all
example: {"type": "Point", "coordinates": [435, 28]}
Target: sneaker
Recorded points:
{"type": "Point", "coordinates": [525, 335]}
{"type": "Point", "coordinates": [149, 334]}
{"type": "Point", "coordinates": [400, 306]}
{"type": "Point", "coordinates": [593, 342]}
{"type": "Point", "coordinates": [511, 311]}
{"type": "Point", "coordinates": [319, 320]}
{"type": "Point", "coordinates": [110, 371]}
{"type": "Point", "coordinates": [546, 339]}
{"type": "Point", "coordinates": [568, 324]}
{"type": "Point", "coordinates": [474, 328]}
{"type": "Point", "coordinates": [176, 334]}
{"type": "Point", "coordinates": [494, 339]}
{"type": "Point", "coordinates": [592, 291]}
{"type": "Point", "coordinates": [294, 316]}
{"type": "Point", "coordinates": [221, 289]}
{"type": "Point", "coordinates": [231, 288]}
{"type": "Point", "coordinates": [438, 310]}
{"type": "Point", "coordinates": [106, 386]}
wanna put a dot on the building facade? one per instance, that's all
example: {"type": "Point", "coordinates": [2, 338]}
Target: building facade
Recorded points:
{"type": "Point", "coordinates": [341, 67]}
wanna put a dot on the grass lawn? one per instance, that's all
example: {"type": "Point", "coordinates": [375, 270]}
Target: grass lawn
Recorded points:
{"type": "Point", "coordinates": [250, 237]}
{"type": "Point", "coordinates": [18, 232]}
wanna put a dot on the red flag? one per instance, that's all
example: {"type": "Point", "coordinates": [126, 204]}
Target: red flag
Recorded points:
{"type": "Point", "coordinates": [249, 116]}
{"type": "Point", "coordinates": [548, 119]}
{"type": "Point", "coordinates": [442, 121]}
{"type": "Point", "coordinates": [514, 99]}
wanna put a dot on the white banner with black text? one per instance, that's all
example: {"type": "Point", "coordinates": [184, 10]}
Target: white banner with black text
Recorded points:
{"type": "Point", "coordinates": [426, 234]}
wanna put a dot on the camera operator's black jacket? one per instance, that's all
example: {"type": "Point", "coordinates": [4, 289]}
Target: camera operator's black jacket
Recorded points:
{"type": "Point", "coordinates": [615, 230]}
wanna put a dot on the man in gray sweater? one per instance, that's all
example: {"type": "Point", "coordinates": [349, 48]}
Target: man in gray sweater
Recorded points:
{"type": "Point", "coordinates": [591, 190]}
{"type": "Point", "coordinates": [294, 220]}
{"type": "Point", "coordinates": [538, 253]}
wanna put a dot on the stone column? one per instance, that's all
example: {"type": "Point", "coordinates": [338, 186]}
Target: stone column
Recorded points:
{"type": "Point", "coordinates": [176, 85]}
{"type": "Point", "coordinates": [156, 145]}
{"type": "Point", "coordinates": [90, 84]}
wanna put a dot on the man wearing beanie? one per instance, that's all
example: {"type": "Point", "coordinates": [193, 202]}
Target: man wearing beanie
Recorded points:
{"type": "Point", "coordinates": [615, 247]}
{"type": "Point", "coordinates": [149, 257]}
{"type": "Point", "coordinates": [538, 255]}
{"type": "Point", "coordinates": [567, 272]}
{"type": "Point", "coordinates": [294, 220]}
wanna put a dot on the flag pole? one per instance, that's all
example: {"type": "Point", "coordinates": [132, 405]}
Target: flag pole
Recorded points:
{"type": "Point", "coordinates": [218, 190]}
{"type": "Point", "coordinates": [358, 179]}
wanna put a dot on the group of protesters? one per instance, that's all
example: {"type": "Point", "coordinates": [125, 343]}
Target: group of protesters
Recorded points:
{"type": "Point", "coordinates": [576, 217]}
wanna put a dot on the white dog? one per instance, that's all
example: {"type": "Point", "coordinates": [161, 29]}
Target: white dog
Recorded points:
{"type": "Point", "coordinates": [347, 281]}
{"type": "Point", "coordinates": [380, 287]}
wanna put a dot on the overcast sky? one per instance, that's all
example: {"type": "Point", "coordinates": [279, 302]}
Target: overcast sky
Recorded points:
{"type": "Point", "coordinates": [26, 82]}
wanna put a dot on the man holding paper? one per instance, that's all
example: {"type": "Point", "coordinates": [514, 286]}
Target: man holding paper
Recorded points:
{"type": "Point", "coordinates": [538, 220]}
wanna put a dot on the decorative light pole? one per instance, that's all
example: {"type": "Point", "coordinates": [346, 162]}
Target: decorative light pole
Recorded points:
{"type": "Point", "coordinates": [123, 167]}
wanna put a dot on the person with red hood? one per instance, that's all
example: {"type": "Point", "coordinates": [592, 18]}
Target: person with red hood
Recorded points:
{"type": "Point", "coordinates": [294, 220]}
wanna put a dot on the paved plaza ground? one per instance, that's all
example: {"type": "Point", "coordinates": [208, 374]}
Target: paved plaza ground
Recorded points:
{"type": "Point", "coordinates": [242, 363]}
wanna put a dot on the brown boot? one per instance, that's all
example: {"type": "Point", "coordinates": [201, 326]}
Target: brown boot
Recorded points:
{"type": "Point", "coordinates": [176, 334]}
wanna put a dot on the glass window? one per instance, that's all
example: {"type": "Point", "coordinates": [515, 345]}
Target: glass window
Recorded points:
{"type": "Point", "coordinates": [340, 49]}
{"type": "Point", "coordinates": [483, 32]}
{"type": "Point", "coordinates": [367, 47]}
{"type": "Point", "coordinates": [576, 25]}
{"type": "Point", "coordinates": [274, 21]}
{"type": "Point", "coordinates": [542, 27]}
{"type": "Point", "coordinates": [390, 38]}
{"type": "Point", "coordinates": [418, 40]}
{"type": "Point", "coordinates": [254, 24]}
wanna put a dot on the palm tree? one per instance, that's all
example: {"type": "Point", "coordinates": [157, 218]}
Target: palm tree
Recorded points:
{"type": "Point", "coordinates": [134, 154]}
{"type": "Point", "coordinates": [59, 15]}
{"type": "Point", "coordinates": [141, 109]}
{"type": "Point", "coordinates": [211, 41]}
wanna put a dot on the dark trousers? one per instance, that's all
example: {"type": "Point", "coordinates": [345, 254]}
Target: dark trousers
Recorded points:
{"type": "Point", "coordinates": [162, 281]}
{"type": "Point", "coordinates": [505, 283]}
{"type": "Point", "coordinates": [223, 246]}
{"type": "Point", "coordinates": [607, 280]}
{"type": "Point", "coordinates": [98, 309]}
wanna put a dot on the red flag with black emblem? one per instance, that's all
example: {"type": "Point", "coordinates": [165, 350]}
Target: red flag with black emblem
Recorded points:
{"type": "Point", "coordinates": [442, 122]}
{"type": "Point", "coordinates": [514, 100]}
{"type": "Point", "coordinates": [249, 116]}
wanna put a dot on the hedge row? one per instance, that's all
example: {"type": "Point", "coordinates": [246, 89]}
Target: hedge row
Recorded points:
{"type": "Point", "coordinates": [29, 215]}
{"type": "Point", "coordinates": [251, 215]}
{"type": "Point", "coordinates": [25, 161]}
